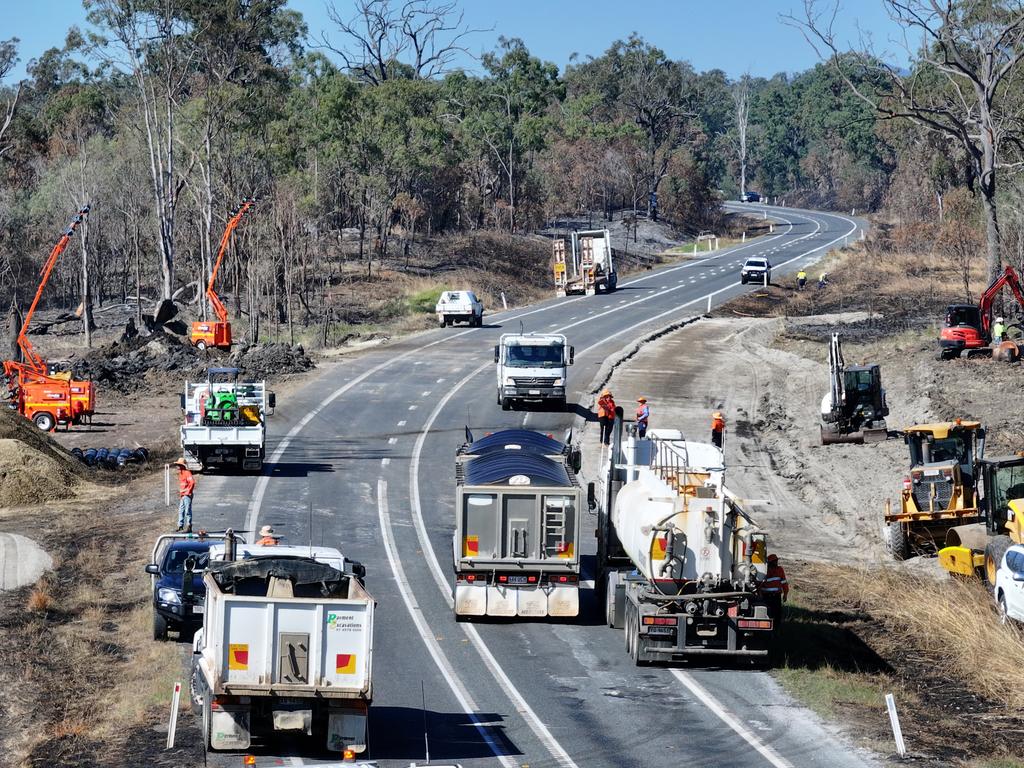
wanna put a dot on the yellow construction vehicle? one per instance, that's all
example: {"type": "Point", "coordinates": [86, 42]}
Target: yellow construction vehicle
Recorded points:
{"type": "Point", "coordinates": [939, 492]}
{"type": "Point", "coordinates": [977, 549]}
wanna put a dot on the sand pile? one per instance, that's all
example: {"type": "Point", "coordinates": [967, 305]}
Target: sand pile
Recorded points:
{"type": "Point", "coordinates": [33, 468]}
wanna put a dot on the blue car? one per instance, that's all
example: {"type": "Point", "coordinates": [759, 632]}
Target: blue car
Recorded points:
{"type": "Point", "coordinates": [173, 611]}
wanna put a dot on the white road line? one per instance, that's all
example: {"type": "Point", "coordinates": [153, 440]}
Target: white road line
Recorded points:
{"type": "Point", "coordinates": [412, 407]}
{"type": "Point", "coordinates": [401, 423]}
{"type": "Point", "coordinates": [425, 394]}
{"type": "Point", "coordinates": [727, 717]}
{"type": "Point", "coordinates": [433, 647]}
{"type": "Point", "coordinates": [392, 440]}
{"type": "Point", "coordinates": [385, 461]}
{"type": "Point", "coordinates": [440, 381]}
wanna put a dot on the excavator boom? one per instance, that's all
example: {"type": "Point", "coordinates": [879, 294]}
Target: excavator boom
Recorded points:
{"type": "Point", "coordinates": [1008, 277]}
{"type": "Point", "coordinates": [236, 217]}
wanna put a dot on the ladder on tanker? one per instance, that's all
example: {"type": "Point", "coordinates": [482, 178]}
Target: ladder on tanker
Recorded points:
{"type": "Point", "coordinates": [554, 530]}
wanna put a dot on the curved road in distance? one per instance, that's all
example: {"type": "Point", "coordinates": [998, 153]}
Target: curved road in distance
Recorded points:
{"type": "Point", "coordinates": [365, 452]}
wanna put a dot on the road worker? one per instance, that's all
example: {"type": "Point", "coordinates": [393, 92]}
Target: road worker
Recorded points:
{"type": "Point", "coordinates": [823, 279]}
{"type": "Point", "coordinates": [186, 489]}
{"type": "Point", "coordinates": [998, 330]}
{"type": "Point", "coordinates": [606, 416]}
{"type": "Point", "coordinates": [775, 587]}
{"type": "Point", "coordinates": [267, 537]}
{"type": "Point", "coordinates": [717, 429]}
{"type": "Point", "coordinates": [643, 416]}
{"type": "Point", "coordinates": [801, 280]}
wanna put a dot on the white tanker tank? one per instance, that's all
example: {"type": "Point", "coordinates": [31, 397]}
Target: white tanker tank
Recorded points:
{"type": "Point", "coordinates": [680, 560]}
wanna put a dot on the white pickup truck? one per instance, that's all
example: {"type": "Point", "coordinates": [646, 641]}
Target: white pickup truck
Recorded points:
{"type": "Point", "coordinates": [225, 421]}
{"type": "Point", "coordinates": [532, 367]}
{"type": "Point", "coordinates": [286, 646]}
{"type": "Point", "coordinates": [461, 306]}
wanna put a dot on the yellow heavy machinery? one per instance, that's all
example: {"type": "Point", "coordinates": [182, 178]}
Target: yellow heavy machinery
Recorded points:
{"type": "Point", "coordinates": [940, 490]}
{"type": "Point", "coordinates": [977, 549]}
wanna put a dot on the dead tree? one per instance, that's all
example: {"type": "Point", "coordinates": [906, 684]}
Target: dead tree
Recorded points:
{"type": "Point", "coordinates": [741, 103]}
{"type": "Point", "coordinates": [8, 58]}
{"type": "Point", "coordinates": [964, 83]}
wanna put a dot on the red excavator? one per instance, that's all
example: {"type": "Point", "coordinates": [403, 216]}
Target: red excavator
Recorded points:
{"type": "Point", "coordinates": [217, 334]}
{"type": "Point", "coordinates": [45, 397]}
{"type": "Point", "coordinates": [968, 328]}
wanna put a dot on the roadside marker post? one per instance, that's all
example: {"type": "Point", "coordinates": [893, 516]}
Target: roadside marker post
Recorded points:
{"type": "Point", "coordinates": [744, 237]}
{"type": "Point", "coordinates": [709, 304]}
{"type": "Point", "coordinates": [172, 726]}
{"type": "Point", "coordinates": [894, 719]}
{"type": "Point", "coordinates": [503, 302]}
{"type": "Point", "coordinates": [167, 485]}
{"type": "Point", "coordinates": [694, 247]}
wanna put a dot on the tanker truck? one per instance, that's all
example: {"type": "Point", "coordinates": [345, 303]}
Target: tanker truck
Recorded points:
{"type": "Point", "coordinates": [679, 560]}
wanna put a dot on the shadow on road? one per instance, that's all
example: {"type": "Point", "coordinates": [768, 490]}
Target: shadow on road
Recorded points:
{"type": "Point", "coordinates": [298, 468]}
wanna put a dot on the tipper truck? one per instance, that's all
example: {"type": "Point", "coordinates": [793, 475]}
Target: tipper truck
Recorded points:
{"type": "Point", "coordinates": [680, 561]}
{"type": "Point", "coordinates": [517, 526]}
{"type": "Point", "coordinates": [225, 421]}
{"type": "Point", "coordinates": [585, 264]}
{"type": "Point", "coordinates": [286, 646]}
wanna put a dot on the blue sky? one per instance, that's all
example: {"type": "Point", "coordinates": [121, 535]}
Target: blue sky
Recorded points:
{"type": "Point", "coordinates": [736, 36]}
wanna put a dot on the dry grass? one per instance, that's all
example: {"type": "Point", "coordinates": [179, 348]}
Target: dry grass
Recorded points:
{"type": "Point", "coordinates": [39, 599]}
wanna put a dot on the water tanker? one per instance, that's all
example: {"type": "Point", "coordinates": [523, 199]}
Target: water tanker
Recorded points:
{"type": "Point", "coordinates": [680, 561]}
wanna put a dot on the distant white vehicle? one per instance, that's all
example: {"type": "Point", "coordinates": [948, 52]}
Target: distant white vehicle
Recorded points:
{"type": "Point", "coordinates": [756, 270]}
{"type": "Point", "coordinates": [1009, 586]}
{"type": "Point", "coordinates": [462, 306]}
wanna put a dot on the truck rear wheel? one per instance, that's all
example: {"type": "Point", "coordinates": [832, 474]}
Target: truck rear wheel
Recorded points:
{"type": "Point", "coordinates": [896, 541]}
{"type": "Point", "coordinates": [207, 727]}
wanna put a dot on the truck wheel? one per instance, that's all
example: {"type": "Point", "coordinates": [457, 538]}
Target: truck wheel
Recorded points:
{"type": "Point", "coordinates": [896, 541]}
{"type": "Point", "coordinates": [442, 322]}
{"type": "Point", "coordinates": [207, 725]}
{"type": "Point", "coordinates": [44, 421]}
{"type": "Point", "coordinates": [994, 552]}
{"type": "Point", "coordinates": [159, 627]}
{"type": "Point", "coordinates": [610, 586]}
{"type": "Point", "coordinates": [506, 404]}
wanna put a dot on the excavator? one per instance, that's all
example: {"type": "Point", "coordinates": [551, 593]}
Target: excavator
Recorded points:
{"type": "Point", "coordinates": [217, 334]}
{"type": "Point", "coordinates": [968, 328]}
{"type": "Point", "coordinates": [854, 408]}
{"type": "Point", "coordinates": [44, 397]}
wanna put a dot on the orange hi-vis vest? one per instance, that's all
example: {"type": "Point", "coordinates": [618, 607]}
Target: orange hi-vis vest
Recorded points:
{"type": "Point", "coordinates": [717, 422]}
{"type": "Point", "coordinates": [186, 483]}
{"type": "Point", "coordinates": [775, 582]}
{"type": "Point", "coordinates": [606, 408]}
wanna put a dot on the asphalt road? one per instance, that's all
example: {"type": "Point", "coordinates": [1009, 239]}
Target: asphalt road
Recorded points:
{"type": "Point", "coordinates": [361, 459]}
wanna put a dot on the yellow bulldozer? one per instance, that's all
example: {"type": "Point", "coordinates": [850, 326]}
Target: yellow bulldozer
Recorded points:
{"type": "Point", "coordinates": [940, 489]}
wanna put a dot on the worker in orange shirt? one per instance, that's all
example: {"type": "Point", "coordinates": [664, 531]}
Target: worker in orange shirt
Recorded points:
{"type": "Point", "coordinates": [717, 429]}
{"type": "Point", "coordinates": [186, 490]}
{"type": "Point", "coordinates": [267, 537]}
{"type": "Point", "coordinates": [775, 587]}
{"type": "Point", "coordinates": [606, 416]}
{"type": "Point", "coordinates": [643, 417]}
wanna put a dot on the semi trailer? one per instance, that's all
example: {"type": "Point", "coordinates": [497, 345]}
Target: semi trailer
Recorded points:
{"type": "Point", "coordinates": [585, 264]}
{"type": "Point", "coordinates": [680, 562]}
{"type": "Point", "coordinates": [517, 526]}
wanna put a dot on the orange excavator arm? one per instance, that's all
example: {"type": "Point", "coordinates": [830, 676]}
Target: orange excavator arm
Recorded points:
{"type": "Point", "coordinates": [31, 362]}
{"type": "Point", "coordinates": [236, 217]}
{"type": "Point", "coordinates": [1008, 277]}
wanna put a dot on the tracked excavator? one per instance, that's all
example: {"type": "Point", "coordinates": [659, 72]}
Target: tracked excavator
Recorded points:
{"type": "Point", "coordinates": [854, 408]}
{"type": "Point", "coordinates": [968, 328]}
{"type": "Point", "coordinates": [45, 397]}
{"type": "Point", "coordinates": [217, 333]}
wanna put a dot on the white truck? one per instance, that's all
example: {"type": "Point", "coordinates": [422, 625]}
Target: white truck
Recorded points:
{"type": "Point", "coordinates": [517, 527]}
{"type": "Point", "coordinates": [225, 421]}
{"type": "Point", "coordinates": [680, 562]}
{"type": "Point", "coordinates": [585, 264]}
{"type": "Point", "coordinates": [286, 646]}
{"type": "Point", "coordinates": [459, 306]}
{"type": "Point", "coordinates": [532, 368]}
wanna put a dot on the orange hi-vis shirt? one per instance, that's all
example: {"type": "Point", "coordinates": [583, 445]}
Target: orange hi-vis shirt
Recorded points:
{"type": "Point", "coordinates": [186, 483]}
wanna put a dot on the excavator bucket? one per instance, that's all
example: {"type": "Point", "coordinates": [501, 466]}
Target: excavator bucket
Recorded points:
{"type": "Point", "coordinates": [875, 435]}
{"type": "Point", "coordinates": [830, 437]}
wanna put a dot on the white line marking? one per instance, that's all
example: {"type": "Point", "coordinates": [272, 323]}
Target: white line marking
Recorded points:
{"type": "Point", "coordinates": [392, 440]}
{"type": "Point", "coordinates": [425, 394]}
{"type": "Point", "coordinates": [385, 461]}
{"type": "Point", "coordinates": [440, 381]}
{"type": "Point", "coordinates": [401, 423]}
{"type": "Point", "coordinates": [412, 407]}
{"type": "Point", "coordinates": [726, 717]}
{"type": "Point", "coordinates": [433, 647]}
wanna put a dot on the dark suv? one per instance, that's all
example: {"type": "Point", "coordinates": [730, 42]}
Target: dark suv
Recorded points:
{"type": "Point", "coordinates": [750, 197]}
{"type": "Point", "coordinates": [172, 610]}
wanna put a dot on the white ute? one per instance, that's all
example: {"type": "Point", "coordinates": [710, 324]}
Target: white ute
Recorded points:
{"type": "Point", "coordinates": [462, 306]}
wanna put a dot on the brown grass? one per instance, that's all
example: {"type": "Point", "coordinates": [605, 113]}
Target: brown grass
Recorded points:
{"type": "Point", "coordinates": [39, 599]}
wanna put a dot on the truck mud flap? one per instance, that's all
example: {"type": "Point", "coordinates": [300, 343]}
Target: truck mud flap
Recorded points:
{"type": "Point", "coordinates": [346, 729]}
{"type": "Point", "coordinates": [470, 600]}
{"type": "Point", "coordinates": [229, 728]}
{"type": "Point", "coordinates": [532, 602]}
{"type": "Point", "coordinates": [564, 601]}
{"type": "Point", "coordinates": [501, 601]}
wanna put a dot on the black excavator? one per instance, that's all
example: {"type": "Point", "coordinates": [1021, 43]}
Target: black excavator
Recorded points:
{"type": "Point", "coordinates": [854, 408]}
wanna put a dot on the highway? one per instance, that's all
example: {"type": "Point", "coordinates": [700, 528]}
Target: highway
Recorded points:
{"type": "Point", "coordinates": [365, 453]}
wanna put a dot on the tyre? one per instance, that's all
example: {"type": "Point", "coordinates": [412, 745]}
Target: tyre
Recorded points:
{"type": "Point", "coordinates": [506, 404]}
{"type": "Point", "coordinates": [896, 541]}
{"type": "Point", "coordinates": [1003, 616]}
{"type": "Point", "coordinates": [44, 421]}
{"type": "Point", "coordinates": [628, 630]}
{"type": "Point", "coordinates": [159, 627]}
{"type": "Point", "coordinates": [611, 582]}
{"type": "Point", "coordinates": [201, 345]}
{"type": "Point", "coordinates": [499, 397]}
{"type": "Point", "coordinates": [207, 726]}
{"type": "Point", "coordinates": [743, 280]}
{"type": "Point", "coordinates": [994, 552]}
{"type": "Point", "coordinates": [195, 691]}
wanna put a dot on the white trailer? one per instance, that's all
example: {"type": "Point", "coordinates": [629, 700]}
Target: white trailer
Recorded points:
{"type": "Point", "coordinates": [216, 437]}
{"type": "Point", "coordinates": [680, 562]}
{"type": "Point", "coordinates": [588, 266]}
{"type": "Point", "coordinates": [286, 647]}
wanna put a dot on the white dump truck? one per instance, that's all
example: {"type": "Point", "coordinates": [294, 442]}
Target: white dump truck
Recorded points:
{"type": "Point", "coordinates": [584, 264]}
{"type": "Point", "coordinates": [459, 306]}
{"type": "Point", "coordinates": [517, 526]}
{"type": "Point", "coordinates": [286, 646]}
{"type": "Point", "coordinates": [680, 561]}
{"type": "Point", "coordinates": [225, 421]}
{"type": "Point", "coordinates": [532, 368]}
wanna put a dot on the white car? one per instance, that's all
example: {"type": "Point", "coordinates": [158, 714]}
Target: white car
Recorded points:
{"type": "Point", "coordinates": [459, 305]}
{"type": "Point", "coordinates": [1009, 586]}
{"type": "Point", "coordinates": [756, 270]}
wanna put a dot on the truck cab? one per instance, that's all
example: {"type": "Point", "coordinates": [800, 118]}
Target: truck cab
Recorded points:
{"type": "Point", "coordinates": [532, 368]}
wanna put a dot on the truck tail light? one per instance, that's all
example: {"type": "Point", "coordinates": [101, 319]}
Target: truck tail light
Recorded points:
{"type": "Point", "coordinates": [754, 623]}
{"type": "Point", "coordinates": [661, 621]}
